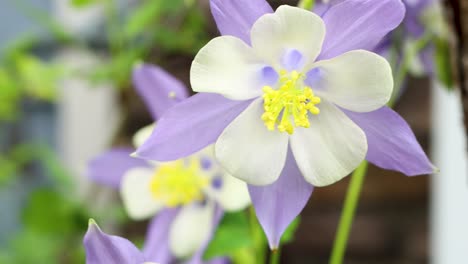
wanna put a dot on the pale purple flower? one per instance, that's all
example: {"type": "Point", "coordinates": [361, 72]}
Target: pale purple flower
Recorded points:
{"type": "Point", "coordinates": [102, 248]}
{"type": "Point", "coordinates": [282, 158]}
{"type": "Point", "coordinates": [186, 195]}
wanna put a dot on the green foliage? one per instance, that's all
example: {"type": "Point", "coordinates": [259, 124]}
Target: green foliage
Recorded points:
{"type": "Point", "coordinates": [37, 78]}
{"type": "Point", "coordinates": [7, 170]}
{"type": "Point", "coordinates": [23, 74]}
{"type": "Point", "coordinates": [144, 17]}
{"type": "Point", "coordinates": [443, 63]}
{"type": "Point", "coordinates": [242, 238]}
{"type": "Point", "coordinates": [82, 3]}
{"type": "Point", "coordinates": [45, 205]}
{"type": "Point", "coordinates": [9, 96]}
{"type": "Point", "coordinates": [232, 236]}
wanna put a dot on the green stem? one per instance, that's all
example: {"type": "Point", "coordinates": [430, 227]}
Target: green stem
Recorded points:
{"type": "Point", "coordinates": [259, 239]}
{"type": "Point", "coordinates": [275, 256]}
{"type": "Point", "coordinates": [306, 4]}
{"type": "Point", "coordinates": [349, 210]}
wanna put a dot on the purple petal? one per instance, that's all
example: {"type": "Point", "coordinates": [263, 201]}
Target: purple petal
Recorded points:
{"type": "Point", "coordinates": [277, 205]}
{"type": "Point", "coordinates": [108, 168]}
{"type": "Point", "coordinates": [103, 249]}
{"type": "Point", "coordinates": [236, 17]}
{"type": "Point", "coordinates": [320, 8]}
{"type": "Point", "coordinates": [392, 144]}
{"type": "Point", "coordinates": [197, 258]}
{"type": "Point", "coordinates": [352, 25]}
{"type": "Point", "coordinates": [158, 89]}
{"type": "Point", "coordinates": [156, 246]}
{"type": "Point", "coordinates": [190, 126]}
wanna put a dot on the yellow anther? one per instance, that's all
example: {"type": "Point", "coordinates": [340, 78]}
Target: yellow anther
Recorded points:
{"type": "Point", "coordinates": [177, 183]}
{"type": "Point", "coordinates": [293, 101]}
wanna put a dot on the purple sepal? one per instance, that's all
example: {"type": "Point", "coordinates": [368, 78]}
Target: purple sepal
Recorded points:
{"type": "Point", "coordinates": [157, 88]}
{"type": "Point", "coordinates": [236, 17]}
{"type": "Point", "coordinates": [190, 126]}
{"type": "Point", "coordinates": [104, 249]}
{"type": "Point", "coordinates": [321, 8]}
{"type": "Point", "coordinates": [109, 168]}
{"type": "Point", "coordinates": [352, 25]}
{"type": "Point", "coordinates": [157, 237]}
{"type": "Point", "coordinates": [277, 205]}
{"type": "Point", "coordinates": [391, 143]}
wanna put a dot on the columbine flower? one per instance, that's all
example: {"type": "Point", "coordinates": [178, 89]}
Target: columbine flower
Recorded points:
{"type": "Point", "coordinates": [292, 100]}
{"type": "Point", "coordinates": [186, 194]}
{"type": "Point", "coordinates": [102, 248]}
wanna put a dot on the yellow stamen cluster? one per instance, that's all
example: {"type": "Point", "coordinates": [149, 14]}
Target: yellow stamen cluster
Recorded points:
{"type": "Point", "coordinates": [177, 183]}
{"type": "Point", "coordinates": [291, 99]}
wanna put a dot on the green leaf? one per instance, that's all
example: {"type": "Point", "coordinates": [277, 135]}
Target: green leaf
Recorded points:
{"type": "Point", "coordinates": [7, 170]}
{"type": "Point", "coordinates": [30, 246]}
{"type": "Point", "coordinates": [50, 213]}
{"type": "Point", "coordinates": [38, 79]}
{"type": "Point", "coordinates": [82, 3]}
{"type": "Point", "coordinates": [443, 65]}
{"type": "Point", "coordinates": [148, 16]}
{"type": "Point", "coordinates": [10, 95]}
{"type": "Point", "coordinates": [232, 236]}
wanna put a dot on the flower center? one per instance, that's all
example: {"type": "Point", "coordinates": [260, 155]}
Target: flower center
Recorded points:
{"type": "Point", "coordinates": [293, 101]}
{"type": "Point", "coordinates": [178, 183]}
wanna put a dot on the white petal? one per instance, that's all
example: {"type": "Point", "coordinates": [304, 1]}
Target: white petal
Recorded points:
{"type": "Point", "coordinates": [232, 194]}
{"type": "Point", "coordinates": [331, 148]}
{"type": "Point", "coordinates": [228, 66]}
{"type": "Point", "coordinates": [142, 135]}
{"type": "Point", "coordinates": [358, 80]}
{"type": "Point", "coordinates": [249, 151]}
{"type": "Point", "coordinates": [191, 229]}
{"type": "Point", "coordinates": [136, 194]}
{"type": "Point", "coordinates": [288, 28]}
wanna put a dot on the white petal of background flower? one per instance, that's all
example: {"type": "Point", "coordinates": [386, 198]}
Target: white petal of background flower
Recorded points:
{"type": "Point", "coordinates": [232, 195]}
{"type": "Point", "coordinates": [228, 66]}
{"type": "Point", "coordinates": [288, 28]}
{"type": "Point", "coordinates": [191, 228]}
{"type": "Point", "coordinates": [249, 151]}
{"type": "Point", "coordinates": [358, 80]}
{"type": "Point", "coordinates": [136, 194]}
{"type": "Point", "coordinates": [331, 148]}
{"type": "Point", "coordinates": [142, 135]}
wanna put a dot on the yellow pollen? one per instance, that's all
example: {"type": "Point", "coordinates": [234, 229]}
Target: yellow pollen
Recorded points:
{"type": "Point", "coordinates": [177, 183]}
{"type": "Point", "coordinates": [293, 101]}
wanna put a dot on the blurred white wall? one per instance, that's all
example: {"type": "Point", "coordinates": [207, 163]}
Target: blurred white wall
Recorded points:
{"type": "Point", "coordinates": [88, 115]}
{"type": "Point", "coordinates": [450, 186]}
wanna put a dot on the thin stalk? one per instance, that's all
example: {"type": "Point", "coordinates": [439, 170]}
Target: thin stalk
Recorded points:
{"type": "Point", "coordinates": [275, 256]}
{"type": "Point", "coordinates": [347, 215]}
{"type": "Point", "coordinates": [306, 4]}
{"type": "Point", "coordinates": [257, 234]}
